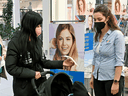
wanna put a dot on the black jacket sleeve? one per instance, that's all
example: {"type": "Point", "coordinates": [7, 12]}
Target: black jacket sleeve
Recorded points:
{"type": "Point", "coordinates": [48, 64]}
{"type": "Point", "coordinates": [51, 64]}
{"type": "Point", "coordinates": [12, 63]}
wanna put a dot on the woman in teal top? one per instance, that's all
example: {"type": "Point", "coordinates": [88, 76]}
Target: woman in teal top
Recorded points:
{"type": "Point", "coordinates": [2, 49]}
{"type": "Point", "coordinates": [2, 58]}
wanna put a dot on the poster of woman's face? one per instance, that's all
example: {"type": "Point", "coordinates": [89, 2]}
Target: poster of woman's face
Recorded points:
{"type": "Point", "coordinates": [90, 5]}
{"type": "Point", "coordinates": [89, 23]}
{"type": "Point", "coordinates": [124, 6]}
{"type": "Point", "coordinates": [80, 7]}
{"type": "Point", "coordinates": [67, 40]}
{"type": "Point", "coordinates": [120, 7]}
{"type": "Point", "coordinates": [85, 7]}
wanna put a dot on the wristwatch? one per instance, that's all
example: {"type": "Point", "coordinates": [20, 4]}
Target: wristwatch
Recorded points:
{"type": "Point", "coordinates": [116, 81]}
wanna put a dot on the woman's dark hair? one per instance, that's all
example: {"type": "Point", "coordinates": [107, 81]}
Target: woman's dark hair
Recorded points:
{"type": "Point", "coordinates": [29, 22]}
{"type": "Point", "coordinates": [107, 13]}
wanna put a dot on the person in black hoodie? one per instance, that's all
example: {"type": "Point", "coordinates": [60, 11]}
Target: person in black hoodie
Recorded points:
{"type": "Point", "coordinates": [24, 56]}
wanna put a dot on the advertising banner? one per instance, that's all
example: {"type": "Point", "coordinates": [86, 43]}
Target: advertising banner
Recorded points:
{"type": "Point", "coordinates": [67, 40]}
{"type": "Point", "coordinates": [88, 54]}
{"type": "Point", "coordinates": [88, 41]}
{"type": "Point", "coordinates": [120, 7]}
{"type": "Point", "coordinates": [85, 7]}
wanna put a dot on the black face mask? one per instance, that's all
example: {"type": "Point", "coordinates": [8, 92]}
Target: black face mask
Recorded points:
{"type": "Point", "coordinates": [99, 26]}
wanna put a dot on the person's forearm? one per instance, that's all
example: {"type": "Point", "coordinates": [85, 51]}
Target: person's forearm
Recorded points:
{"type": "Point", "coordinates": [118, 71]}
{"type": "Point", "coordinates": [92, 70]}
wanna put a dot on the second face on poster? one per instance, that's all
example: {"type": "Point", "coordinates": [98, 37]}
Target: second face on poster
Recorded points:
{"type": "Point", "coordinates": [67, 40]}
{"type": "Point", "coordinates": [84, 7]}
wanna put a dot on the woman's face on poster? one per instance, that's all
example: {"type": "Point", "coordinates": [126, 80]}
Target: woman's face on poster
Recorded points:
{"type": "Point", "coordinates": [64, 42]}
{"type": "Point", "coordinates": [117, 7]}
{"type": "Point", "coordinates": [90, 21]}
{"type": "Point", "coordinates": [81, 5]}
